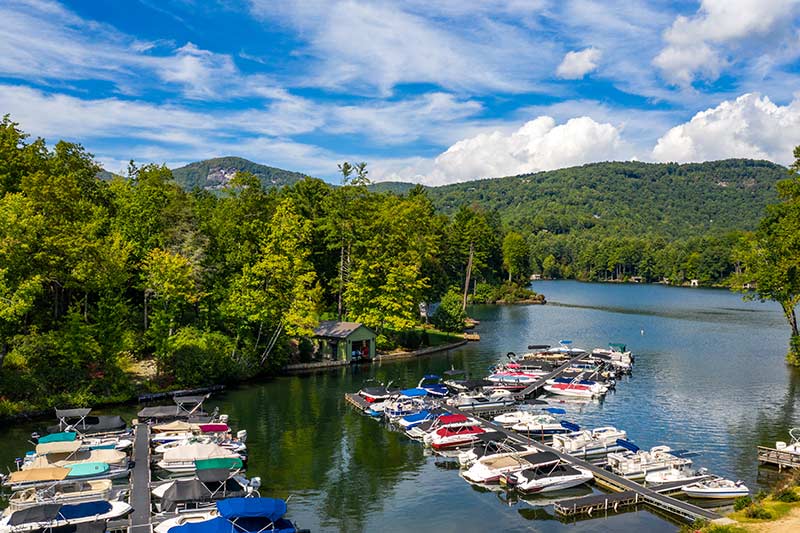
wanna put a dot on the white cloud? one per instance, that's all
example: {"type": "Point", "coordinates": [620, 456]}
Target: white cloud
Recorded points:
{"type": "Point", "coordinates": [576, 65]}
{"type": "Point", "coordinates": [749, 126]}
{"type": "Point", "coordinates": [696, 46]}
{"type": "Point", "coordinates": [540, 144]}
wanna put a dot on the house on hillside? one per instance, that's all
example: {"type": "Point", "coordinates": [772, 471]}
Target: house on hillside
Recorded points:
{"type": "Point", "coordinates": [344, 341]}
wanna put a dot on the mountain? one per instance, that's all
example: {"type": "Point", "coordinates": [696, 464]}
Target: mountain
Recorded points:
{"type": "Point", "coordinates": [214, 174]}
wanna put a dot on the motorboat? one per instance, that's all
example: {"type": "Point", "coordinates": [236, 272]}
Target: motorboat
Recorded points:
{"type": "Point", "coordinates": [492, 443]}
{"type": "Point", "coordinates": [68, 454]}
{"type": "Point", "coordinates": [513, 379]}
{"type": "Point", "coordinates": [120, 442]}
{"type": "Point", "coordinates": [635, 463]}
{"type": "Point", "coordinates": [183, 459]}
{"type": "Point", "coordinates": [519, 417]}
{"type": "Point", "coordinates": [454, 437]}
{"type": "Point", "coordinates": [794, 446]}
{"type": "Point", "coordinates": [478, 401]}
{"type": "Point", "coordinates": [239, 515]}
{"type": "Point", "coordinates": [716, 489]}
{"type": "Point", "coordinates": [574, 390]}
{"type": "Point", "coordinates": [427, 430]}
{"type": "Point", "coordinates": [235, 444]}
{"type": "Point", "coordinates": [616, 354]}
{"type": "Point", "coordinates": [596, 387]}
{"type": "Point", "coordinates": [379, 393]}
{"type": "Point", "coordinates": [457, 381]}
{"type": "Point", "coordinates": [489, 469]}
{"type": "Point", "coordinates": [83, 421]}
{"type": "Point", "coordinates": [545, 427]}
{"type": "Point", "coordinates": [49, 516]}
{"type": "Point", "coordinates": [546, 478]}
{"type": "Point", "coordinates": [209, 485]}
{"type": "Point", "coordinates": [406, 402]}
{"type": "Point", "coordinates": [588, 443]}
{"type": "Point", "coordinates": [676, 474]}
{"type": "Point", "coordinates": [433, 385]}
{"type": "Point", "coordinates": [60, 492]}
{"type": "Point", "coordinates": [426, 415]}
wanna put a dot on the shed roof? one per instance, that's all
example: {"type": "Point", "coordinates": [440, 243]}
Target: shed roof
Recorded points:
{"type": "Point", "coordinates": [335, 329]}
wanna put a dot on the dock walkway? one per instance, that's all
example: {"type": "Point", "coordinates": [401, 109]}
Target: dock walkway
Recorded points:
{"type": "Point", "coordinates": [617, 483]}
{"type": "Point", "coordinates": [140, 521]}
{"type": "Point", "coordinates": [780, 458]}
{"type": "Point", "coordinates": [536, 386]}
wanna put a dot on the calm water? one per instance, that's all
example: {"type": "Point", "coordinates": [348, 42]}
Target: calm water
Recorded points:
{"type": "Point", "coordinates": [709, 377]}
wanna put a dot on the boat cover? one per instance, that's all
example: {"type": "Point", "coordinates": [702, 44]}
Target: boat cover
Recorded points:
{"type": "Point", "coordinates": [452, 419]}
{"type": "Point", "coordinates": [538, 346]}
{"type": "Point", "coordinates": [628, 445]}
{"type": "Point", "coordinates": [161, 411]}
{"type": "Point", "coordinates": [40, 513]}
{"type": "Point", "coordinates": [88, 469]}
{"type": "Point", "coordinates": [38, 474]}
{"type": "Point", "coordinates": [82, 510]}
{"type": "Point", "coordinates": [492, 436]}
{"type": "Point", "coordinates": [190, 400]}
{"type": "Point", "coordinates": [570, 426]}
{"type": "Point", "coordinates": [214, 428]}
{"type": "Point", "coordinates": [212, 475]}
{"type": "Point", "coordinates": [190, 490]}
{"type": "Point", "coordinates": [73, 413]}
{"type": "Point", "coordinates": [62, 436]}
{"type": "Point", "coordinates": [556, 410]}
{"type": "Point", "coordinates": [177, 425]}
{"type": "Point", "coordinates": [63, 446]}
{"type": "Point", "coordinates": [222, 525]}
{"type": "Point", "coordinates": [191, 452]}
{"type": "Point", "coordinates": [411, 393]}
{"type": "Point", "coordinates": [272, 508]}
{"type": "Point", "coordinates": [231, 463]}
{"type": "Point", "coordinates": [92, 456]}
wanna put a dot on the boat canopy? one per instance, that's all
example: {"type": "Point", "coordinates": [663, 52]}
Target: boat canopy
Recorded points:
{"type": "Point", "coordinates": [570, 426]}
{"type": "Point", "coordinates": [192, 452]}
{"type": "Point", "coordinates": [82, 510]}
{"type": "Point", "coordinates": [538, 458]}
{"type": "Point", "coordinates": [271, 508]}
{"type": "Point", "coordinates": [87, 469]}
{"type": "Point", "coordinates": [194, 490]}
{"type": "Point", "coordinates": [492, 436]}
{"type": "Point", "coordinates": [452, 419]}
{"type": "Point", "coordinates": [618, 346]}
{"type": "Point", "coordinates": [73, 413]}
{"type": "Point", "coordinates": [565, 342]}
{"type": "Point", "coordinates": [62, 436]}
{"type": "Point", "coordinates": [556, 411]}
{"type": "Point", "coordinates": [415, 392]}
{"type": "Point", "coordinates": [231, 463]}
{"type": "Point", "coordinates": [628, 445]}
{"type": "Point", "coordinates": [177, 425]}
{"type": "Point", "coordinates": [58, 447]}
{"type": "Point", "coordinates": [214, 428]}
{"type": "Point", "coordinates": [38, 474]}
{"type": "Point", "coordinates": [213, 475]}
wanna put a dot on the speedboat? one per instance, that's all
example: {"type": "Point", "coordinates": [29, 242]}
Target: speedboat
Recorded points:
{"type": "Point", "coordinates": [545, 427]}
{"type": "Point", "coordinates": [433, 385]}
{"type": "Point", "coordinates": [492, 443]}
{"type": "Point", "coordinates": [423, 417]}
{"type": "Point", "coordinates": [597, 387]}
{"type": "Point", "coordinates": [598, 441]}
{"type": "Point", "coordinates": [513, 379]}
{"type": "Point", "coordinates": [636, 463]}
{"type": "Point", "coordinates": [426, 431]}
{"type": "Point", "coordinates": [68, 492]}
{"type": "Point", "coordinates": [489, 469]}
{"type": "Point", "coordinates": [515, 418]}
{"type": "Point", "coordinates": [378, 394]}
{"type": "Point", "coordinates": [406, 402]}
{"type": "Point", "coordinates": [547, 478]}
{"type": "Point", "coordinates": [234, 515]}
{"type": "Point", "coordinates": [477, 401]}
{"type": "Point", "coordinates": [675, 474]}
{"type": "Point", "coordinates": [53, 515]}
{"type": "Point", "coordinates": [717, 489]}
{"type": "Point", "coordinates": [454, 437]}
{"type": "Point", "coordinates": [183, 459]}
{"type": "Point", "coordinates": [794, 446]}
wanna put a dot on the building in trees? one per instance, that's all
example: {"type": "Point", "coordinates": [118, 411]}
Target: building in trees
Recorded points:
{"type": "Point", "coordinates": [344, 341]}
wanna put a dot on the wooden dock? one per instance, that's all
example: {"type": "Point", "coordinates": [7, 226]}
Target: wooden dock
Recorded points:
{"type": "Point", "coordinates": [779, 458]}
{"type": "Point", "coordinates": [140, 518]}
{"type": "Point", "coordinates": [649, 496]}
{"type": "Point", "coordinates": [534, 388]}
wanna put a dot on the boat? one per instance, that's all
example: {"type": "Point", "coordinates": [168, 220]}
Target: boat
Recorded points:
{"type": "Point", "coordinates": [119, 442]}
{"type": "Point", "coordinates": [635, 463]}
{"type": "Point", "coordinates": [519, 417]}
{"type": "Point", "coordinates": [716, 489]}
{"type": "Point", "coordinates": [574, 389]}
{"type": "Point", "coordinates": [457, 381]}
{"type": "Point", "coordinates": [489, 469]}
{"type": "Point", "coordinates": [545, 428]}
{"type": "Point", "coordinates": [49, 516]}
{"type": "Point", "coordinates": [794, 446]}
{"type": "Point", "coordinates": [426, 430]}
{"type": "Point", "coordinates": [596, 387]}
{"type": "Point", "coordinates": [482, 401]}
{"type": "Point", "coordinates": [379, 393]}
{"type": "Point", "coordinates": [64, 493]}
{"type": "Point", "coordinates": [235, 444]}
{"type": "Point", "coordinates": [426, 415]}
{"type": "Point", "coordinates": [83, 421]}
{"type": "Point", "coordinates": [182, 460]}
{"type": "Point", "coordinates": [407, 402]}
{"type": "Point", "coordinates": [209, 485]}
{"type": "Point", "coordinates": [513, 379]}
{"type": "Point", "coordinates": [454, 437]}
{"type": "Point", "coordinates": [433, 385]}
{"type": "Point", "coordinates": [546, 478]}
{"type": "Point", "coordinates": [492, 443]}
{"type": "Point", "coordinates": [234, 515]}
{"type": "Point", "coordinates": [586, 443]}
{"type": "Point", "coordinates": [675, 474]}
{"type": "Point", "coordinates": [69, 454]}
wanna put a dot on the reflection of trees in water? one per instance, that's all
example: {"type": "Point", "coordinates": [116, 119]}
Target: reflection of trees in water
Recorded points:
{"type": "Point", "coordinates": [772, 424]}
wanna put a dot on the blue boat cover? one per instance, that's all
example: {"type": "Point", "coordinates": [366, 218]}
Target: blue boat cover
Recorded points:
{"type": "Point", "coordinates": [414, 392]}
{"type": "Point", "coordinates": [556, 410]}
{"type": "Point", "coordinates": [271, 508]}
{"type": "Point", "coordinates": [628, 445]}
{"type": "Point", "coordinates": [82, 510]}
{"type": "Point", "coordinates": [565, 342]}
{"type": "Point", "coordinates": [422, 415]}
{"type": "Point", "coordinates": [223, 525]}
{"type": "Point", "coordinates": [64, 436]}
{"type": "Point", "coordinates": [431, 376]}
{"type": "Point", "coordinates": [570, 426]}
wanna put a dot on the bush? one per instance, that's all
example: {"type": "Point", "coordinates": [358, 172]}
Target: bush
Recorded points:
{"type": "Point", "coordinates": [757, 512]}
{"type": "Point", "coordinates": [449, 316]}
{"type": "Point", "coordinates": [305, 350]}
{"type": "Point", "coordinates": [787, 495]}
{"type": "Point", "coordinates": [742, 502]}
{"type": "Point", "coordinates": [196, 357]}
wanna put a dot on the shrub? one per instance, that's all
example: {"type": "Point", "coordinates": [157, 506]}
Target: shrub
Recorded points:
{"type": "Point", "coordinates": [305, 350]}
{"type": "Point", "coordinates": [196, 357]}
{"type": "Point", "coordinates": [742, 502]}
{"type": "Point", "coordinates": [449, 316]}
{"type": "Point", "coordinates": [787, 495]}
{"type": "Point", "coordinates": [757, 512]}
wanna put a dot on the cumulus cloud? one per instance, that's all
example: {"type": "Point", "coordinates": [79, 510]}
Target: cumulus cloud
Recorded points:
{"type": "Point", "coordinates": [540, 144]}
{"type": "Point", "coordinates": [695, 46]}
{"type": "Point", "coordinates": [750, 126]}
{"type": "Point", "coordinates": [576, 65]}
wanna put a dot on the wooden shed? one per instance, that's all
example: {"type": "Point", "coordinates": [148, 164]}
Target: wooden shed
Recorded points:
{"type": "Point", "coordinates": [345, 341]}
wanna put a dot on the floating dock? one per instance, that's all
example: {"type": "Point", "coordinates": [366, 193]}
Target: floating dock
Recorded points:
{"type": "Point", "coordinates": [781, 459]}
{"type": "Point", "coordinates": [140, 518]}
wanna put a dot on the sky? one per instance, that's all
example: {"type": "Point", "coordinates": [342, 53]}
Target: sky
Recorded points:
{"type": "Point", "coordinates": [430, 92]}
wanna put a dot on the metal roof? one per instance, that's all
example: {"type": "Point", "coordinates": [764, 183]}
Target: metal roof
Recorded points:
{"type": "Point", "coordinates": [335, 329]}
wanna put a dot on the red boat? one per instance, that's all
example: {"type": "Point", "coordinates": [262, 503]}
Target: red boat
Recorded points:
{"type": "Point", "coordinates": [454, 436]}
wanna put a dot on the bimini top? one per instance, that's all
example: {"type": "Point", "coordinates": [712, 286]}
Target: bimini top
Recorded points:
{"type": "Point", "coordinates": [64, 446]}
{"type": "Point", "coordinates": [230, 463]}
{"type": "Point", "coordinates": [38, 474]}
{"type": "Point", "coordinates": [63, 436]}
{"type": "Point", "coordinates": [271, 508]}
{"type": "Point", "coordinates": [413, 393]}
{"type": "Point", "coordinates": [55, 511]}
{"type": "Point", "coordinates": [191, 452]}
{"type": "Point", "coordinates": [452, 419]}
{"type": "Point", "coordinates": [617, 346]}
{"type": "Point", "coordinates": [73, 413]}
{"type": "Point", "coordinates": [628, 445]}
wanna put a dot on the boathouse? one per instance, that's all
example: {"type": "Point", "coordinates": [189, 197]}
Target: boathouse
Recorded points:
{"type": "Point", "coordinates": [344, 341]}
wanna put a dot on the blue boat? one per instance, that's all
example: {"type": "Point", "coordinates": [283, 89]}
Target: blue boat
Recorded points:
{"type": "Point", "coordinates": [433, 385]}
{"type": "Point", "coordinates": [244, 515]}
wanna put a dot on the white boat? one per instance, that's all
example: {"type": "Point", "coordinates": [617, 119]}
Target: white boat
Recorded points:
{"type": "Point", "coordinates": [208, 486]}
{"type": "Point", "coordinates": [717, 489]}
{"type": "Point", "coordinates": [675, 474]}
{"type": "Point", "coordinates": [427, 430]}
{"type": "Point", "coordinates": [181, 460]}
{"type": "Point", "coordinates": [51, 516]}
{"type": "Point", "coordinates": [191, 517]}
{"type": "Point", "coordinates": [489, 469]}
{"type": "Point", "coordinates": [60, 492]}
{"type": "Point", "coordinates": [598, 441]}
{"type": "Point", "coordinates": [636, 463]}
{"type": "Point", "coordinates": [454, 437]}
{"type": "Point", "coordinates": [236, 444]}
{"type": "Point", "coordinates": [794, 446]}
{"type": "Point", "coordinates": [49, 456]}
{"type": "Point", "coordinates": [527, 416]}
{"type": "Point", "coordinates": [492, 443]}
{"type": "Point", "coordinates": [547, 478]}
{"type": "Point", "coordinates": [478, 401]}
{"type": "Point", "coordinates": [545, 428]}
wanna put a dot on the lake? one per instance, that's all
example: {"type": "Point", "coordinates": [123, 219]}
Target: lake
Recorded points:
{"type": "Point", "coordinates": [709, 377]}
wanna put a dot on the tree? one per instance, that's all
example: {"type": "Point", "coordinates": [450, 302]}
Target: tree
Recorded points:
{"type": "Point", "coordinates": [771, 257]}
{"type": "Point", "coordinates": [515, 255]}
{"type": "Point", "coordinates": [450, 316]}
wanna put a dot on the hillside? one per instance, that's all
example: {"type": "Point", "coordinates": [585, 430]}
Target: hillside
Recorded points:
{"type": "Point", "coordinates": [214, 174]}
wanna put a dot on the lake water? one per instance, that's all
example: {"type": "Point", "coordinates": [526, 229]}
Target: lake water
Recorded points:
{"type": "Point", "coordinates": [710, 377]}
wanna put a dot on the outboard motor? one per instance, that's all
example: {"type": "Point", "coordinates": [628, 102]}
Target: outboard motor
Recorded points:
{"type": "Point", "coordinates": [255, 483]}
{"type": "Point", "coordinates": [35, 437]}
{"type": "Point", "coordinates": [241, 435]}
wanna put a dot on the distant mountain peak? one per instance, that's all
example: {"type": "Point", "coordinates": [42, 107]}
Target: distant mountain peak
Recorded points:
{"type": "Point", "coordinates": [214, 174]}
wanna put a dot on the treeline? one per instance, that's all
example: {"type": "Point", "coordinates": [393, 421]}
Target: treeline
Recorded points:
{"type": "Point", "coordinates": [98, 275]}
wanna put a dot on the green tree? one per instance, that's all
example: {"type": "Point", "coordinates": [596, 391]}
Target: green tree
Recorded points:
{"type": "Point", "coordinates": [449, 316]}
{"type": "Point", "coordinates": [515, 255]}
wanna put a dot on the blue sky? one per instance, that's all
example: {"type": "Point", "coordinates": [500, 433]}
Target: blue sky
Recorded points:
{"type": "Point", "coordinates": [434, 92]}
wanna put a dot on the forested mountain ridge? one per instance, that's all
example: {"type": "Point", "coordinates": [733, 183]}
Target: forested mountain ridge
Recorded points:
{"type": "Point", "coordinates": [214, 174]}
